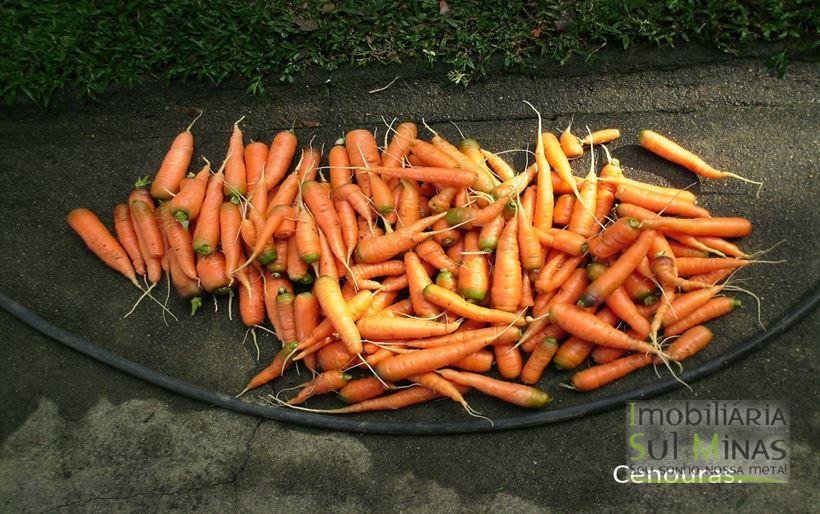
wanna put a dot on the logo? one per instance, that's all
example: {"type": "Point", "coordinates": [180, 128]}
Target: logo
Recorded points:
{"type": "Point", "coordinates": [714, 441]}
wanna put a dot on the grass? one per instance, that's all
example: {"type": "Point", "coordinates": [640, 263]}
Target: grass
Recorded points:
{"type": "Point", "coordinates": [86, 46]}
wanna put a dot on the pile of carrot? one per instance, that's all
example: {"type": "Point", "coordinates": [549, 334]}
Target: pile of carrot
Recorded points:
{"type": "Point", "coordinates": [427, 264]}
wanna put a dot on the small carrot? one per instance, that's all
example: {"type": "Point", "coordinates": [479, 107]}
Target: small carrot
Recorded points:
{"type": "Point", "coordinates": [616, 274]}
{"type": "Point", "coordinates": [307, 237]}
{"type": "Point", "coordinates": [474, 275]}
{"type": "Point", "coordinates": [390, 327]}
{"type": "Point", "coordinates": [479, 362]}
{"type": "Point", "coordinates": [563, 240]}
{"type": "Point", "coordinates": [507, 282]}
{"type": "Point", "coordinates": [563, 209]}
{"type": "Point", "coordinates": [654, 201]}
{"type": "Point", "coordinates": [335, 308]}
{"type": "Point", "coordinates": [434, 254]}
{"type": "Point", "coordinates": [604, 354]}
{"type": "Point", "coordinates": [602, 374]}
{"type": "Point", "coordinates": [710, 310]}
{"type": "Point", "coordinates": [308, 164]}
{"type": "Point", "coordinates": [558, 161]}
{"type": "Point", "coordinates": [508, 360]}
{"type": "Point", "coordinates": [256, 154]}
{"type": "Point", "coordinates": [208, 226]}
{"type": "Point", "coordinates": [455, 303]}
{"type": "Point", "coordinates": [363, 152]}
{"type": "Point", "coordinates": [498, 165]}
{"type": "Point", "coordinates": [587, 326]}
{"type": "Point", "coordinates": [323, 383]}
{"type": "Point", "coordinates": [287, 317]}
{"type": "Point", "coordinates": [229, 221]}
{"type": "Point", "coordinates": [175, 165]}
{"type": "Point", "coordinates": [516, 394]}
{"type": "Point", "coordinates": [689, 343]}
{"type": "Point", "coordinates": [236, 181]}
{"type": "Point", "coordinates": [211, 272]}
{"type": "Point", "coordinates": [575, 350]}
{"type": "Point", "coordinates": [179, 241]}
{"type": "Point", "coordinates": [570, 144]}
{"type": "Point", "coordinates": [127, 237]}
{"type": "Point", "coordinates": [614, 238]}
{"type": "Point", "coordinates": [538, 361]}
{"type": "Point", "coordinates": [281, 152]}
{"type": "Point", "coordinates": [418, 279]}
{"type": "Point", "coordinates": [671, 151]}
{"type": "Point", "coordinates": [252, 299]}
{"type": "Point", "coordinates": [384, 247]}
{"type": "Point", "coordinates": [97, 238]}
{"type": "Point", "coordinates": [601, 137]}
{"type": "Point", "coordinates": [688, 266]}
{"type": "Point", "coordinates": [275, 369]}
{"type": "Point", "coordinates": [361, 389]}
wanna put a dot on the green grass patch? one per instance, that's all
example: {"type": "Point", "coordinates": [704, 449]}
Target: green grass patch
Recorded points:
{"type": "Point", "coordinates": [47, 46]}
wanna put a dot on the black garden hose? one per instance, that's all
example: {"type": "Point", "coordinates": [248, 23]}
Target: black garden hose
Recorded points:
{"type": "Point", "coordinates": [352, 424]}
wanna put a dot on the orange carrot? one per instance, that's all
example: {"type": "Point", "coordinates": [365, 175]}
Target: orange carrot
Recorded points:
{"type": "Point", "coordinates": [616, 274]}
{"type": "Point", "coordinates": [418, 279]}
{"type": "Point", "coordinates": [689, 343]}
{"type": "Point", "coordinates": [688, 266]}
{"type": "Point", "coordinates": [97, 238]}
{"type": "Point", "coordinates": [517, 394]}
{"type": "Point", "coordinates": [508, 360]}
{"type": "Point", "coordinates": [252, 299]}
{"type": "Point", "coordinates": [281, 152]}
{"type": "Point", "coordinates": [348, 225]}
{"type": "Point", "coordinates": [335, 308]}
{"type": "Point", "coordinates": [392, 327]}
{"type": "Point", "coordinates": [474, 276]}
{"type": "Point", "coordinates": [307, 237]}
{"type": "Point", "coordinates": [308, 164]}
{"type": "Point", "coordinates": [362, 389]}
{"type": "Point", "coordinates": [671, 151]}
{"type": "Point", "coordinates": [538, 361]}
{"type": "Point", "coordinates": [575, 350]}
{"type": "Point", "coordinates": [211, 272]}
{"type": "Point", "coordinates": [507, 282]}
{"type": "Point", "coordinates": [207, 232]}
{"type": "Point", "coordinates": [384, 247]}
{"type": "Point", "coordinates": [175, 165]}
{"type": "Point", "coordinates": [587, 326]}
{"type": "Point", "coordinates": [229, 221]}
{"type": "Point", "coordinates": [614, 238]}
{"type": "Point", "coordinates": [601, 137]}
{"type": "Point", "coordinates": [563, 209]}
{"type": "Point", "coordinates": [602, 374]}
{"type": "Point", "coordinates": [558, 161]}
{"type": "Point", "coordinates": [570, 144]}
{"type": "Point", "coordinates": [498, 165]}
{"type": "Point", "coordinates": [256, 154]}
{"type": "Point", "coordinates": [323, 383]}
{"type": "Point", "coordinates": [275, 369]}
{"type": "Point", "coordinates": [479, 362]}
{"type": "Point", "coordinates": [185, 205]}
{"type": "Point", "coordinates": [604, 354]}
{"type": "Point", "coordinates": [654, 201]}
{"type": "Point", "coordinates": [127, 237]}
{"type": "Point", "coordinates": [710, 310]}
{"type": "Point", "coordinates": [455, 303]}
{"type": "Point", "coordinates": [236, 184]}
{"type": "Point", "coordinates": [179, 240]}
{"type": "Point", "coordinates": [563, 240]}
{"type": "Point", "coordinates": [363, 153]}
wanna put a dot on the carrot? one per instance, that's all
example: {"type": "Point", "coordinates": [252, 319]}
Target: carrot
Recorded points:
{"type": "Point", "coordinates": [185, 205]}
{"type": "Point", "coordinates": [323, 383]}
{"type": "Point", "coordinates": [274, 370]}
{"type": "Point", "coordinates": [621, 304]}
{"type": "Point", "coordinates": [361, 272]}
{"type": "Point", "coordinates": [441, 386]}
{"type": "Point", "coordinates": [252, 299]}
{"type": "Point", "coordinates": [211, 272]}
{"type": "Point", "coordinates": [508, 360]}
{"type": "Point", "coordinates": [708, 279]}
{"type": "Point", "coordinates": [671, 151]}
{"type": "Point", "coordinates": [355, 196]}
{"type": "Point", "coordinates": [179, 240]}
{"type": "Point", "coordinates": [348, 226]}
{"type": "Point", "coordinates": [601, 137]}
{"type": "Point", "coordinates": [399, 147]}
{"type": "Point", "coordinates": [418, 279]}
{"type": "Point", "coordinates": [507, 282]}
{"type": "Point", "coordinates": [236, 182]}
{"type": "Point", "coordinates": [336, 310]}
{"type": "Point", "coordinates": [127, 237]}
{"type": "Point", "coordinates": [570, 144]}
{"type": "Point", "coordinates": [484, 180]}
{"type": "Point", "coordinates": [479, 362]}
{"type": "Point", "coordinates": [568, 293]}
{"type": "Point", "coordinates": [145, 224]}
{"type": "Point", "coordinates": [538, 361]}
{"type": "Point", "coordinates": [516, 394]}
{"type": "Point", "coordinates": [208, 226]}
{"type": "Point", "coordinates": [474, 276]}
{"type": "Point", "coordinates": [405, 365]}
{"type": "Point", "coordinates": [264, 236]}
{"type": "Point", "coordinates": [563, 240]}
{"type": "Point", "coordinates": [639, 288]}
{"type": "Point", "coordinates": [444, 235]}
{"type": "Point", "coordinates": [575, 350]}
{"type": "Point", "coordinates": [470, 217]}
{"type": "Point", "coordinates": [229, 221]}
{"type": "Point", "coordinates": [614, 238]}
{"type": "Point", "coordinates": [529, 243]}
{"type": "Point", "coordinates": [281, 152]}
{"type": "Point", "coordinates": [712, 309]}
{"type": "Point", "coordinates": [398, 400]}
{"type": "Point", "coordinates": [619, 180]}
{"type": "Point", "coordinates": [558, 161]}
{"type": "Point", "coordinates": [361, 389]}
{"type": "Point", "coordinates": [363, 153]}
{"type": "Point", "coordinates": [491, 335]}
{"type": "Point", "coordinates": [602, 374]}
{"type": "Point", "coordinates": [175, 165]}
{"type": "Point", "coordinates": [718, 244]}
{"type": "Point", "coordinates": [682, 250]}
{"type": "Point", "coordinates": [688, 266]}
{"type": "Point", "coordinates": [654, 201]}
{"type": "Point", "coordinates": [390, 327]}
{"type": "Point", "coordinates": [616, 274]}
{"type": "Point", "coordinates": [604, 354]}
{"type": "Point", "coordinates": [384, 247]}
{"type": "Point", "coordinates": [498, 165]}
{"type": "Point", "coordinates": [588, 326]}
{"type": "Point", "coordinates": [307, 237]}
{"type": "Point", "coordinates": [100, 241]}
{"type": "Point", "coordinates": [455, 303]}
{"type": "Point", "coordinates": [286, 314]}
{"type": "Point", "coordinates": [563, 209]}
{"type": "Point", "coordinates": [256, 154]}
{"type": "Point", "coordinates": [430, 155]}
{"type": "Point", "coordinates": [689, 343]}
{"type": "Point", "coordinates": [542, 212]}
{"type": "Point", "coordinates": [308, 165]}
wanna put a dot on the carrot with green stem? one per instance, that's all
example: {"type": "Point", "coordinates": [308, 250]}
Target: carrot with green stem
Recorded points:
{"type": "Point", "coordinates": [587, 326]}
{"type": "Point", "coordinates": [179, 241]}
{"type": "Point", "coordinates": [671, 151]}
{"type": "Point", "coordinates": [211, 272]}
{"type": "Point", "coordinates": [175, 165]}
{"type": "Point", "coordinates": [538, 360]}
{"type": "Point", "coordinates": [712, 309]}
{"type": "Point", "coordinates": [207, 233]}
{"type": "Point", "coordinates": [689, 343]}
{"type": "Point", "coordinates": [264, 236]}
{"type": "Point", "coordinates": [363, 152]}
{"type": "Point", "coordinates": [474, 275]}
{"type": "Point", "coordinates": [323, 383]}
{"type": "Point", "coordinates": [616, 274]}
{"type": "Point", "coordinates": [470, 217]}
{"type": "Point", "coordinates": [307, 237]}
{"type": "Point", "coordinates": [186, 204]}
{"type": "Point", "coordinates": [384, 247]}
{"type": "Point", "coordinates": [614, 238]}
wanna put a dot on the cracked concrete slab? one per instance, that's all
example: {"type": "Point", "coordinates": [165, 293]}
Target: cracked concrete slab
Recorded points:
{"type": "Point", "coordinates": [76, 436]}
